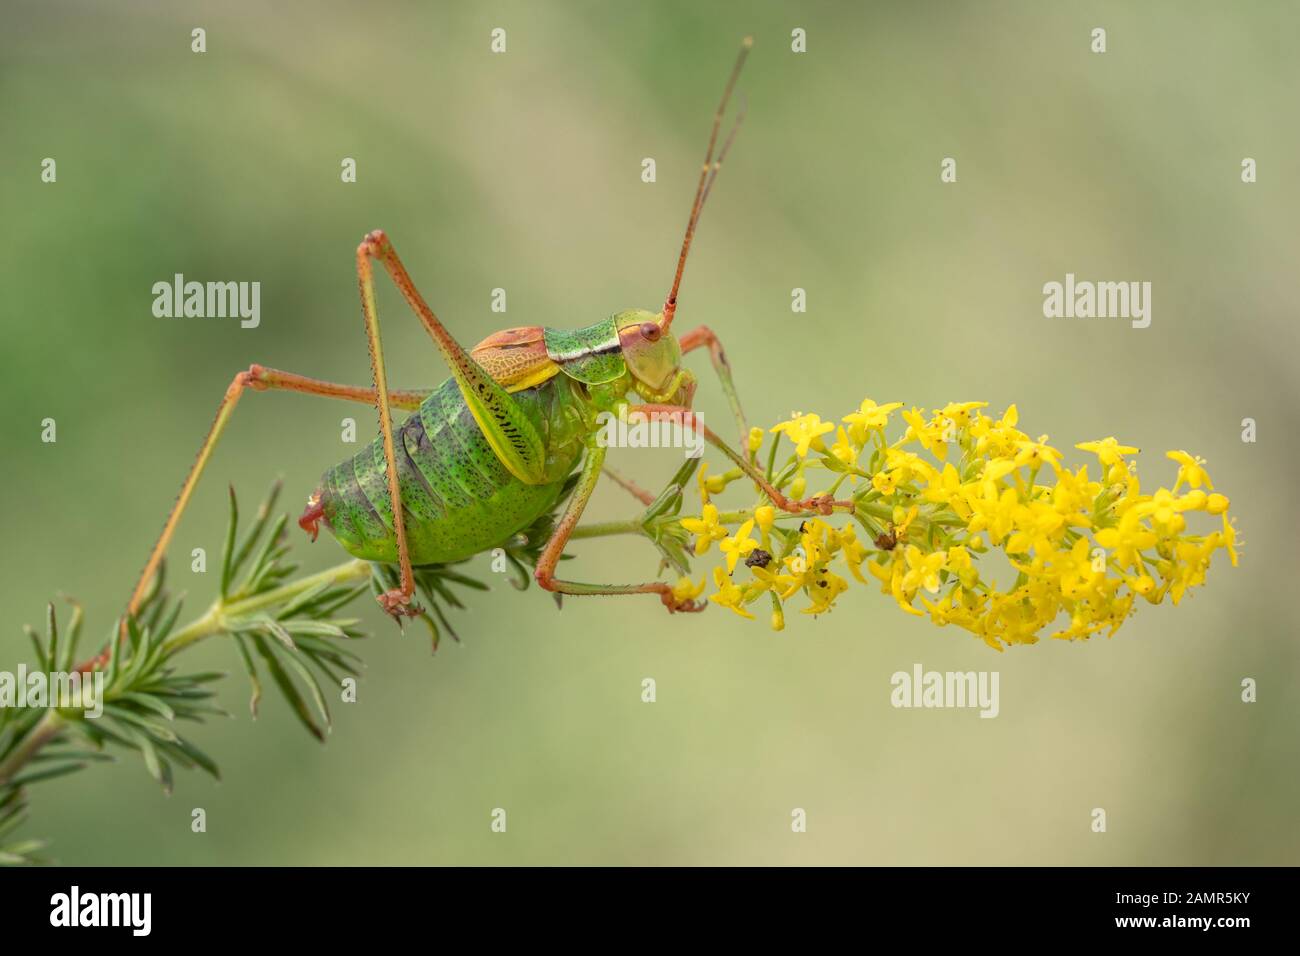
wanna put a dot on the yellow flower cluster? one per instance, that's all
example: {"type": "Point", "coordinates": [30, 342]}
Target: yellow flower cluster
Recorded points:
{"type": "Point", "coordinates": [930, 509]}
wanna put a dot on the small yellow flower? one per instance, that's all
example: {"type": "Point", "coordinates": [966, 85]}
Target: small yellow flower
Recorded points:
{"type": "Point", "coordinates": [738, 545]}
{"type": "Point", "coordinates": [713, 484]}
{"type": "Point", "coordinates": [996, 439]}
{"type": "Point", "coordinates": [1127, 539]}
{"type": "Point", "coordinates": [684, 590]}
{"type": "Point", "coordinates": [994, 513]}
{"type": "Point", "coordinates": [730, 595]}
{"type": "Point", "coordinates": [933, 435]}
{"type": "Point", "coordinates": [755, 439]}
{"type": "Point", "coordinates": [705, 528]}
{"type": "Point", "coordinates": [1032, 453]}
{"type": "Point", "coordinates": [1038, 528]}
{"type": "Point", "coordinates": [1229, 539]}
{"type": "Point", "coordinates": [765, 515]}
{"type": "Point", "coordinates": [844, 450]}
{"type": "Point", "coordinates": [994, 471]}
{"type": "Point", "coordinates": [1142, 584]}
{"type": "Point", "coordinates": [782, 585]}
{"type": "Point", "coordinates": [1108, 451]}
{"type": "Point", "coordinates": [805, 431]}
{"type": "Point", "coordinates": [923, 569]}
{"type": "Point", "coordinates": [903, 520]}
{"type": "Point", "coordinates": [854, 552]}
{"type": "Point", "coordinates": [702, 482]}
{"type": "Point", "coordinates": [959, 412]}
{"type": "Point", "coordinates": [1216, 504]}
{"type": "Point", "coordinates": [885, 482]}
{"type": "Point", "coordinates": [868, 418]}
{"type": "Point", "coordinates": [960, 563]}
{"type": "Point", "coordinates": [946, 489]}
{"type": "Point", "coordinates": [1075, 571]}
{"type": "Point", "coordinates": [1191, 470]}
{"type": "Point", "coordinates": [826, 588]}
{"type": "Point", "coordinates": [909, 465]}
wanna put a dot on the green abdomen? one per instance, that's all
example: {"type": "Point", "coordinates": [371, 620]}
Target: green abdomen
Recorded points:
{"type": "Point", "coordinates": [458, 497]}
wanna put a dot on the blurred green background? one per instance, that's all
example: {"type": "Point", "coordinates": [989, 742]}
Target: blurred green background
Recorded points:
{"type": "Point", "coordinates": [522, 171]}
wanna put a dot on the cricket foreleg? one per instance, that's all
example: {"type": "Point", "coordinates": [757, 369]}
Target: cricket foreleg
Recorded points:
{"type": "Point", "coordinates": [550, 557]}
{"type": "Point", "coordinates": [822, 504]}
{"type": "Point", "coordinates": [258, 378]}
{"type": "Point", "coordinates": [704, 336]}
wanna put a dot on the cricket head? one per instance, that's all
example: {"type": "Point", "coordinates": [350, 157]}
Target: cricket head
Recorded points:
{"type": "Point", "coordinates": [652, 353]}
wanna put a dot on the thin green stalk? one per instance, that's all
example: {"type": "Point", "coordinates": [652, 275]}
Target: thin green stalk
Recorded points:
{"type": "Point", "coordinates": [215, 620]}
{"type": "Point", "coordinates": [46, 729]}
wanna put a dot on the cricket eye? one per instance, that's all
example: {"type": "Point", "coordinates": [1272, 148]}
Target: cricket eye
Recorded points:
{"type": "Point", "coordinates": [651, 331]}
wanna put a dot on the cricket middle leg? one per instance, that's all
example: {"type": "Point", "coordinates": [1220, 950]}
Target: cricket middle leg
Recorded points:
{"type": "Point", "coordinates": [550, 557]}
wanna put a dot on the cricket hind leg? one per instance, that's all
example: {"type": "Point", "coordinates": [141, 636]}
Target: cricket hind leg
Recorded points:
{"type": "Point", "coordinates": [509, 432]}
{"type": "Point", "coordinates": [550, 556]}
{"type": "Point", "coordinates": [259, 378]}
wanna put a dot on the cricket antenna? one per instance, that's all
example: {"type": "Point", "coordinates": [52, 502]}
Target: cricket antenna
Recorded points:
{"type": "Point", "coordinates": [708, 173]}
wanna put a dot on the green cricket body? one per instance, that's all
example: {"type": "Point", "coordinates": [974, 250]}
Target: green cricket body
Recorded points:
{"type": "Point", "coordinates": [459, 498]}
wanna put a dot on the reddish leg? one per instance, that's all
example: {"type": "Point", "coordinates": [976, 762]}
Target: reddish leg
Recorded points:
{"type": "Point", "coordinates": [630, 486]}
{"type": "Point", "coordinates": [823, 504]}
{"type": "Point", "coordinates": [258, 378]}
{"type": "Point", "coordinates": [703, 336]}
{"type": "Point", "coordinates": [550, 557]}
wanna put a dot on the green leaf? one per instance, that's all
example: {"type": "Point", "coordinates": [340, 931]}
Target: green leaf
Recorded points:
{"type": "Point", "coordinates": [152, 761]}
{"type": "Point", "coordinates": [125, 715]}
{"type": "Point", "coordinates": [150, 702]}
{"type": "Point", "coordinates": [200, 758]}
{"type": "Point", "coordinates": [41, 661]}
{"type": "Point", "coordinates": [228, 552]}
{"type": "Point", "coordinates": [252, 674]}
{"type": "Point", "coordinates": [52, 629]}
{"type": "Point", "coordinates": [286, 685]}
{"type": "Point", "coordinates": [74, 637]}
{"type": "Point", "coordinates": [20, 854]}
{"type": "Point", "coordinates": [276, 630]}
{"type": "Point", "coordinates": [313, 686]}
{"type": "Point", "coordinates": [50, 773]}
{"type": "Point", "coordinates": [259, 524]}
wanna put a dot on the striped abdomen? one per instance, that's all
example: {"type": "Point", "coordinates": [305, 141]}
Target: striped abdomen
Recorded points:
{"type": "Point", "coordinates": [458, 497]}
